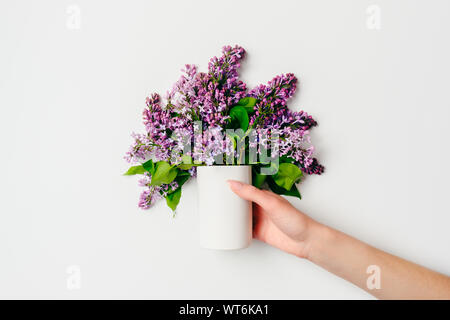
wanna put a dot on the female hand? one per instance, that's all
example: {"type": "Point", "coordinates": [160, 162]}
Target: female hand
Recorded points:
{"type": "Point", "coordinates": [279, 224]}
{"type": "Point", "coordinates": [275, 220]}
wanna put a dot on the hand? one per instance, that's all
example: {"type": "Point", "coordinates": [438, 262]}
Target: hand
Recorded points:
{"type": "Point", "coordinates": [279, 224]}
{"type": "Point", "coordinates": [275, 220]}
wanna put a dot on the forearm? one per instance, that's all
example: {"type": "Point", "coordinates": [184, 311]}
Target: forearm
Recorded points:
{"type": "Point", "coordinates": [350, 258]}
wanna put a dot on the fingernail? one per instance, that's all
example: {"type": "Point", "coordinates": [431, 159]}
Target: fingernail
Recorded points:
{"type": "Point", "coordinates": [235, 184]}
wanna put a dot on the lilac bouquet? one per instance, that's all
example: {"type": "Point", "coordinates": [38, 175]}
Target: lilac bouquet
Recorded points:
{"type": "Point", "coordinates": [212, 118]}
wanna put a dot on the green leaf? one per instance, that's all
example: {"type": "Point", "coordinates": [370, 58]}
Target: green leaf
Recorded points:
{"type": "Point", "coordinates": [248, 103]}
{"type": "Point", "coordinates": [181, 178]}
{"type": "Point", "coordinates": [149, 166]}
{"type": "Point", "coordinates": [182, 173]}
{"type": "Point", "coordinates": [287, 175]}
{"type": "Point", "coordinates": [293, 192]}
{"type": "Point", "coordinates": [233, 137]}
{"type": "Point", "coordinates": [135, 170]}
{"type": "Point", "coordinates": [187, 159]}
{"type": "Point", "coordinates": [243, 101]}
{"type": "Point", "coordinates": [258, 179]}
{"type": "Point", "coordinates": [187, 163]}
{"type": "Point", "coordinates": [164, 173]}
{"type": "Point", "coordinates": [270, 168]}
{"type": "Point", "coordinates": [239, 115]}
{"type": "Point", "coordinates": [185, 166]}
{"type": "Point", "coordinates": [284, 159]}
{"type": "Point", "coordinates": [173, 199]}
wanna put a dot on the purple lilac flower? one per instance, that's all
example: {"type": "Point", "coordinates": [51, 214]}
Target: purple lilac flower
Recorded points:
{"type": "Point", "coordinates": [287, 118]}
{"type": "Point", "coordinates": [210, 144]}
{"type": "Point", "coordinates": [208, 97]}
{"type": "Point", "coordinates": [153, 193]}
{"type": "Point", "coordinates": [272, 115]}
{"type": "Point", "coordinates": [141, 149]}
{"type": "Point", "coordinates": [220, 88]}
{"type": "Point", "coordinates": [293, 130]}
{"type": "Point", "coordinates": [314, 167]}
{"type": "Point", "coordinates": [181, 99]}
{"type": "Point", "coordinates": [272, 96]}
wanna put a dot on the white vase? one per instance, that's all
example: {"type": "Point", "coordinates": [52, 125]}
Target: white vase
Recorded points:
{"type": "Point", "coordinates": [225, 220]}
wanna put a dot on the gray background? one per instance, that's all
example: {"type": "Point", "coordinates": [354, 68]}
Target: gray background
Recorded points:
{"type": "Point", "coordinates": [70, 97]}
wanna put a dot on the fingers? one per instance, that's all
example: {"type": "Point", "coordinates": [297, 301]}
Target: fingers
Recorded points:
{"type": "Point", "coordinates": [268, 200]}
{"type": "Point", "coordinates": [249, 192]}
{"type": "Point", "coordinates": [279, 210]}
{"type": "Point", "coordinates": [260, 221]}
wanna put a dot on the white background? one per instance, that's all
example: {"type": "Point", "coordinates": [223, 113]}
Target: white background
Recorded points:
{"type": "Point", "coordinates": [70, 98]}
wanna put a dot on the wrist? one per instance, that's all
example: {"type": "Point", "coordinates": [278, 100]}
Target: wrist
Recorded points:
{"type": "Point", "coordinates": [317, 237]}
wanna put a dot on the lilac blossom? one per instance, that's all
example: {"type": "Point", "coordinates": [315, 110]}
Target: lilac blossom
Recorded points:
{"type": "Point", "coordinates": [152, 194]}
{"type": "Point", "coordinates": [211, 144]}
{"type": "Point", "coordinates": [272, 96]}
{"type": "Point", "coordinates": [220, 88]}
{"type": "Point", "coordinates": [200, 102]}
